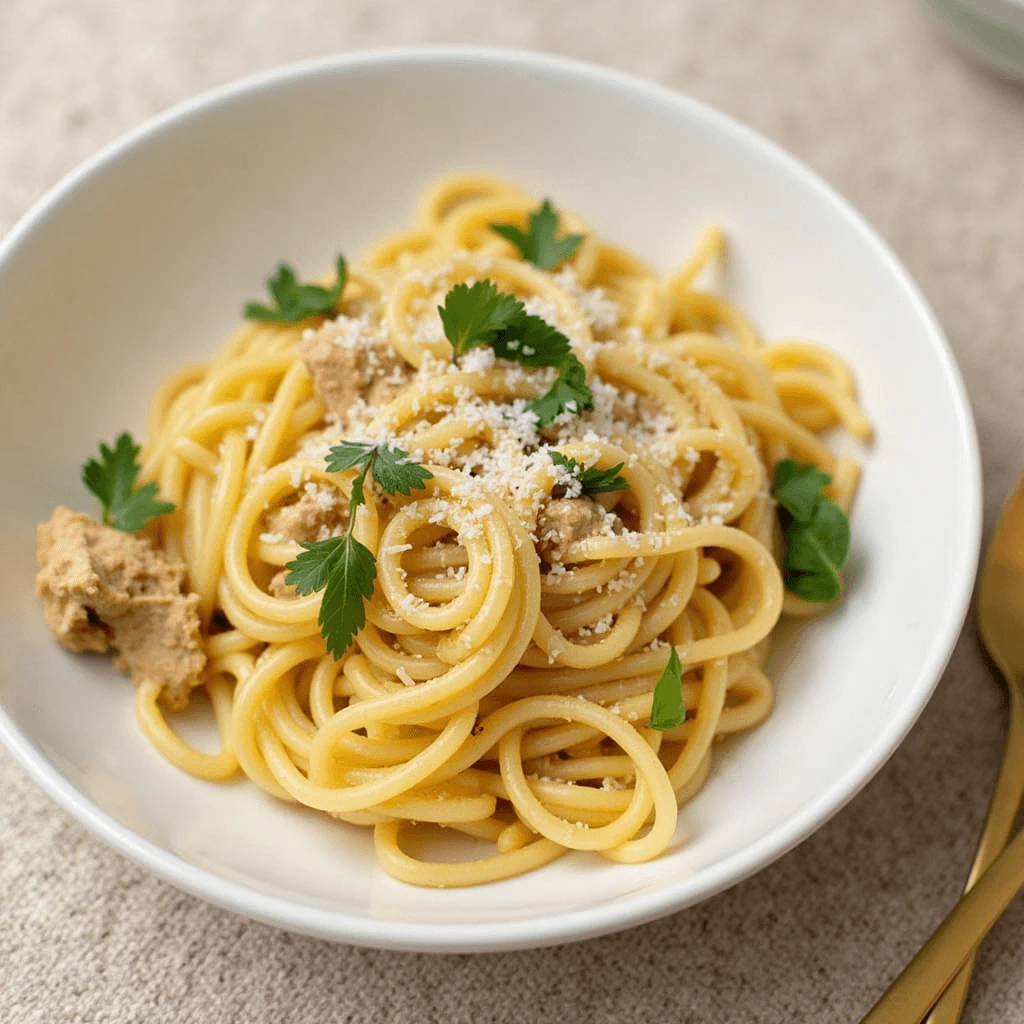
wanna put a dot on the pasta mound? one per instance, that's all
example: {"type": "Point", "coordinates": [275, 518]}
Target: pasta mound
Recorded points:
{"type": "Point", "coordinates": [503, 683]}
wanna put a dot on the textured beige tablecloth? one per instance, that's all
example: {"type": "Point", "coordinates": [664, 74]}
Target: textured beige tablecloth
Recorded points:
{"type": "Point", "coordinates": [932, 150]}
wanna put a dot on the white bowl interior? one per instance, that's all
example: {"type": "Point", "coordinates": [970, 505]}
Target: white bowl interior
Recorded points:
{"type": "Point", "coordinates": [142, 262]}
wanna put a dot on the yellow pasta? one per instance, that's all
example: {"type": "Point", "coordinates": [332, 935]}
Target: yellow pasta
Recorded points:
{"type": "Point", "coordinates": [502, 685]}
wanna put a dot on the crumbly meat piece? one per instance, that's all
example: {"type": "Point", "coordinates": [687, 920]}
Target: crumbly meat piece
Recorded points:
{"type": "Point", "coordinates": [346, 369]}
{"type": "Point", "coordinates": [279, 588]}
{"type": "Point", "coordinates": [565, 520]}
{"type": "Point", "coordinates": [308, 518]}
{"type": "Point", "coordinates": [104, 590]}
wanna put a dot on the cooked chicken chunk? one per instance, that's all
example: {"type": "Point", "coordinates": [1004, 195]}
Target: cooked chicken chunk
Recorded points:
{"type": "Point", "coordinates": [105, 590]}
{"type": "Point", "coordinates": [313, 516]}
{"type": "Point", "coordinates": [279, 588]}
{"type": "Point", "coordinates": [347, 367]}
{"type": "Point", "coordinates": [565, 520]}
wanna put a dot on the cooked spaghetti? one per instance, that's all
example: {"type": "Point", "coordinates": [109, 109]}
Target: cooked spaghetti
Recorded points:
{"type": "Point", "coordinates": [502, 685]}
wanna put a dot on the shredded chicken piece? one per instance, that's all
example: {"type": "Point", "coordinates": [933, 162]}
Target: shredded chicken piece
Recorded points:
{"type": "Point", "coordinates": [308, 518]}
{"type": "Point", "coordinates": [105, 590]}
{"type": "Point", "coordinates": [343, 372]}
{"type": "Point", "coordinates": [279, 588]}
{"type": "Point", "coordinates": [565, 520]}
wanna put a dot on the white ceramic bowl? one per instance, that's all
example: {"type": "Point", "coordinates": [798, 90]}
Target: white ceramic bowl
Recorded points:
{"type": "Point", "coordinates": [141, 259]}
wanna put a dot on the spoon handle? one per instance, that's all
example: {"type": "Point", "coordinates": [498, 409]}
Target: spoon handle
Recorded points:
{"type": "Point", "coordinates": [1002, 812]}
{"type": "Point", "coordinates": [915, 990]}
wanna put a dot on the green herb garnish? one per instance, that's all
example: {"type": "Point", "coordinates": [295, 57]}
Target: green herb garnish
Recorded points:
{"type": "Point", "coordinates": [344, 570]}
{"type": "Point", "coordinates": [478, 314]}
{"type": "Point", "coordinates": [474, 315]}
{"type": "Point", "coordinates": [391, 467]}
{"type": "Point", "coordinates": [667, 708]}
{"type": "Point", "coordinates": [815, 529]}
{"type": "Point", "coordinates": [569, 393]}
{"type": "Point", "coordinates": [112, 480]}
{"type": "Point", "coordinates": [531, 341]}
{"type": "Point", "coordinates": [341, 567]}
{"type": "Point", "coordinates": [594, 480]}
{"type": "Point", "coordinates": [539, 244]}
{"type": "Point", "coordinates": [295, 302]}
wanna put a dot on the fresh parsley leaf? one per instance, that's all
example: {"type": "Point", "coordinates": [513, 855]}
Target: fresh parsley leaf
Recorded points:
{"type": "Point", "coordinates": [348, 455]}
{"type": "Point", "coordinates": [352, 455]}
{"type": "Point", "coordinates": [568, 393]}
{"type": "Point", "coordinates": [594, 480]}
{"type": "Point", "coordinates": [815, 529]}
{"type": "Point", "coordinates": [341, 567]}
{"type": "Point", "coordinates": [816, 551]}
{"type": "Point", "coordinates": [532, 342]}
{"type": "Point", "coordinates": [481, 315]}
{"type": "Point", "coordinates": [295, 302]}
{"type": "Point", "coordinates": [112, 480]}
{"type": "Point", "coordinates": [356, 498]}
{"type": "Point", "coordinates": [309, 571]}
{"type": "Point", "coordinates": [391, 467]}
{"type": "Point", "coordinates": [472, 315]}
{"type": "Point", "coordinates": [138, 508]}
{"type": "Point", "coordinates": [539, 244]}
{"type": "Point", "coordinates": [394, 472]}
{"type": "Point", "coordinates": [667, 709]}
{"type": "Point", "coordinates": [345, 570]}
{"type": "Point", "coordinates": [798, 488]}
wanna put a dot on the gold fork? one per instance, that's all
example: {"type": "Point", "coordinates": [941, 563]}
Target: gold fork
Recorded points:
{"type": "Point", "coordinates": [944, 964]}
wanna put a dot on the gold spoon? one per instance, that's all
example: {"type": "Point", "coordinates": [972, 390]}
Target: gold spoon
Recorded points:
{"type": "Point", "coordinates": [948, 956]}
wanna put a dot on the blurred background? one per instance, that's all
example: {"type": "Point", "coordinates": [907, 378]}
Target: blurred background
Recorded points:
{"type": "Point", "coordinates": [889, 100]}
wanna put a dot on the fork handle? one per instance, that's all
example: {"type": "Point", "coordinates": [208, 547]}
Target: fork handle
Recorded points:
{"type": "Point", "coordinates": [914, 991]}
{"type": "Point", "coordinates": [1002, 812]}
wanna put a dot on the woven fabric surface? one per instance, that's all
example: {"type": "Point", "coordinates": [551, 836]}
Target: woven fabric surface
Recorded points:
{"type": "Point", "coordinates": [931, 149]}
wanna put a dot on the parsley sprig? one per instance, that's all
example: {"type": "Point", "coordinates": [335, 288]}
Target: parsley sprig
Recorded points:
{"type": "Point", "coordinates": [295, 302]}
{"type": "Point", "coordinates": [593, 480]}
{"type": "Point", "coordinates": [345, 571]}
{"type": "Point", "coordinates": [342, 567]}
{"type": "Point", "coordinates": [478, 314]}
{"type": "Point", "coordinates": [391, 467]}
{"type": "Point", "coordinates": [815, 529]}
{"type": "Point", "coordinates": [475, 315]}
{"type": "Point", "coordinates": [667, 709]}
{"type": "Point", "coordinates": [112, 480]}
{"type": "Point", "coordinates": [539, 245]}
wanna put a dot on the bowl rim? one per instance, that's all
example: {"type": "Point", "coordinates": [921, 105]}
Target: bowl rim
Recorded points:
{"type": "Point", "coordinates": [626, 911]}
